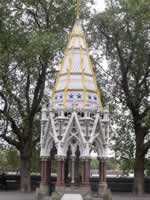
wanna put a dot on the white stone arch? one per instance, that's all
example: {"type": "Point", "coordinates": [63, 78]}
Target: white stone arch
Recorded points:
{"type": "Point", "coordinates": [73, 147]}
{"type": "Point", "coordinates": [99, 147]}
{"type": "Point", "coordinates": [68, 129]}
{"type": "Point", "coordinates": [97, 131]}
{"type": "Point", "coordinates": [47, 147]}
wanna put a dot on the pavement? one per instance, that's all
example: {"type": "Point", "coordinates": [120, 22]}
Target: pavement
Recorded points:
{"type": "Point", "coordinates": [72, 197]}
{"type": "Point", "coordinates": [127, 196]}
{"type": "Point", "coordinates": [16, 196]}
{"type": "Point", "coordinates": [30, 196]}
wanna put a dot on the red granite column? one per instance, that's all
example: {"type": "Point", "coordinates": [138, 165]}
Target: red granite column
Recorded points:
{"type": "Point", "coordinates": [102, 170]}
{"type": "Point", "coordinates": [85, 172]}
{"type": "Point", "coordinates": [60, 172]}
{"type": "Point", "coordinates": [102, 175]}
{"type": "Point", "coordinates": [45, 175]}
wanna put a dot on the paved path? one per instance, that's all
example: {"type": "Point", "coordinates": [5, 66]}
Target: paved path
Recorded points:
{"type": "Point", "coordinates": [21, 196]}
{"type": "Point", "coordinates": [72, 197]}
{"type": "Point", "coordinates": [127, 196]}
{"type": "Point", "coordinates": [16, 196]}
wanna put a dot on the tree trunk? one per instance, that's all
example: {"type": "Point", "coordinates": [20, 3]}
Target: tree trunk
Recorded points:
{"type": "Point", "coordinates": [25, 156]}
{"type": "Point", "coordinates": [138, 187]}
{"type": "Point", "coordinates": [25, 175]}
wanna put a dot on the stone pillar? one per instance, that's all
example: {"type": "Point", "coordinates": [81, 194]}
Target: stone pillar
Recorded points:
{"type": "Point", "coordinates": [45, 175]}
{"type": "Point", "coordinates": [77, 174]}
{"type": "Point", "coordinates": [73, 171]}
{"type": "Point", "coordinates": [60, 172]}
{"type": "Point", "coordinates": [102, 170]}
{"type": "Point", "coordinates": [66, 170]}
{"type": "Point", "coordinates": [102, 175]}
{"type": "Point", "coordinates": [85, 172]}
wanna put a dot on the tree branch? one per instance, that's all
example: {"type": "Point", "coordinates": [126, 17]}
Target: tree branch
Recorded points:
{"type": "Point", "coordinates": [5, 100]}
{"type": "Point", "coordinates": [146, 147]}
{"type": "Point", "coordinates": [34, 15]}
{"type": "Point", "coordinates": [11, 141]}
{"type": "Point", "coordinates": [27, 92]}
{"type": "Point", "coordinates": [39, 89]}
{"type": "Point", "coordinates": [37, 139]}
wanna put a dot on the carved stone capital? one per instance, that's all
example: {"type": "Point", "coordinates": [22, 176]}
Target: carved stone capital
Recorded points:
{"type": "Point", "coordinates": [85, 158]}
{"type": "Point", "coordinates": [102, 159]}
{"type": "Point", "coordinates": [45, 158]}
{"type": "Point", "coordinates": [59, 158]}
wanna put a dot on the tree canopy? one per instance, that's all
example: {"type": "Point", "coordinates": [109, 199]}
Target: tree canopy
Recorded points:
{"type": "Point", "coordinates": [32, 35]}
{"type": "Point", "coordinates": [122, 34]}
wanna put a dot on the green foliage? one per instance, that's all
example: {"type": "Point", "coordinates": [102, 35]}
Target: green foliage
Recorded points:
{"type": "Point", "coordinates": [123, 30]}
{"type": "Point", "coordinates": [32, 37]}
{"type": "Point", "coordinates": [9, 161]}
{"type": "Point", "coordinates": [94, 164]}
{"type": "Point", "coordinates": [35, 161]}
{"type": "Point", "coordinates": [127, 166]}
{"type": "Point", "coordinates": [124, 138]}
{"type": "Point", "coordinates": [147, 167]}
{"type": "Point", "coordinates": [113, 164]}
{"type": "Point", "coordinates": [121, 35]}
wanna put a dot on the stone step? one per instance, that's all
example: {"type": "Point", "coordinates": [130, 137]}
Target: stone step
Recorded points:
{"type": "Point", "coordinates": [72, 197]}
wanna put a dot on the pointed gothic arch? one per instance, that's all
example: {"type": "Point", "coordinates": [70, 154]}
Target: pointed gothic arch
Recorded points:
{"type": "Point", "coordinates": [74, 123]}
{"type": "Point", "coordinates": [70, 142]}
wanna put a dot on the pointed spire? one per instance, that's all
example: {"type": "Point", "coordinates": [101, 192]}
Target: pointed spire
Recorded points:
{"type": "Point", "coordinates": [78, 9]}
{"type": "Point", "coordinates": [76, 81]}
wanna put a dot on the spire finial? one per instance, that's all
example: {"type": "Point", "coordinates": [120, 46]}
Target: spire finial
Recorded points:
{"type": "Point", "coordinates": [78, 9]}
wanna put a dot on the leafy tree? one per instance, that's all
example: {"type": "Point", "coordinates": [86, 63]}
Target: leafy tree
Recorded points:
{"type": "Point", "coordinates": [94, 164]}
{"type": "Point", "coordinates": [121, 33]}
{"type": "Point", "coordinates": [2, 160]}
{"type": "Point", "coordinates": [35, 161]}
{"type": "Point", "coordinates": [9, 159]}
{"type": "Point", "coordinates": [32, 35]}
{"type": "Point", "coordinates": [113, 164]}
{"type": "Point", "coordinates": [12, 159]}
{"type": "Point", "coordinates": [147, 163]}
{"type": "Point", "coordinates": [126, 165]}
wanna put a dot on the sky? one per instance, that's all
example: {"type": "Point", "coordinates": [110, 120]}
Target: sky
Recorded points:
{"type": "Point", "coordinates": [100, 5]}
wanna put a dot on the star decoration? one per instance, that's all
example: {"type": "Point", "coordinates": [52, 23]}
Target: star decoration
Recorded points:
{"type": "Point", "coordinates": [71, 96]}
{"type": "Point", "coordinates": [79, 96]}
{"type": "Point", "coordinates": [95, 98]}
{"type": "Point", "coordinates": [89, 97]}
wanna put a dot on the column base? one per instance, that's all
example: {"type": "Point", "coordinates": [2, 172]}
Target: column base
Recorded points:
{"type": "Point", "coordinates": [42, 192]}
{"type": "Point", "coordinates": [83, 189]}
{"type": "Point", "coordinates": [103, 187]}
{"type": "Point", "coordinates": [44, 189]}
{"type": "Point", "coordinates": [101, 193]}
{"type": "Point", "coordinates": [60, 189]}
